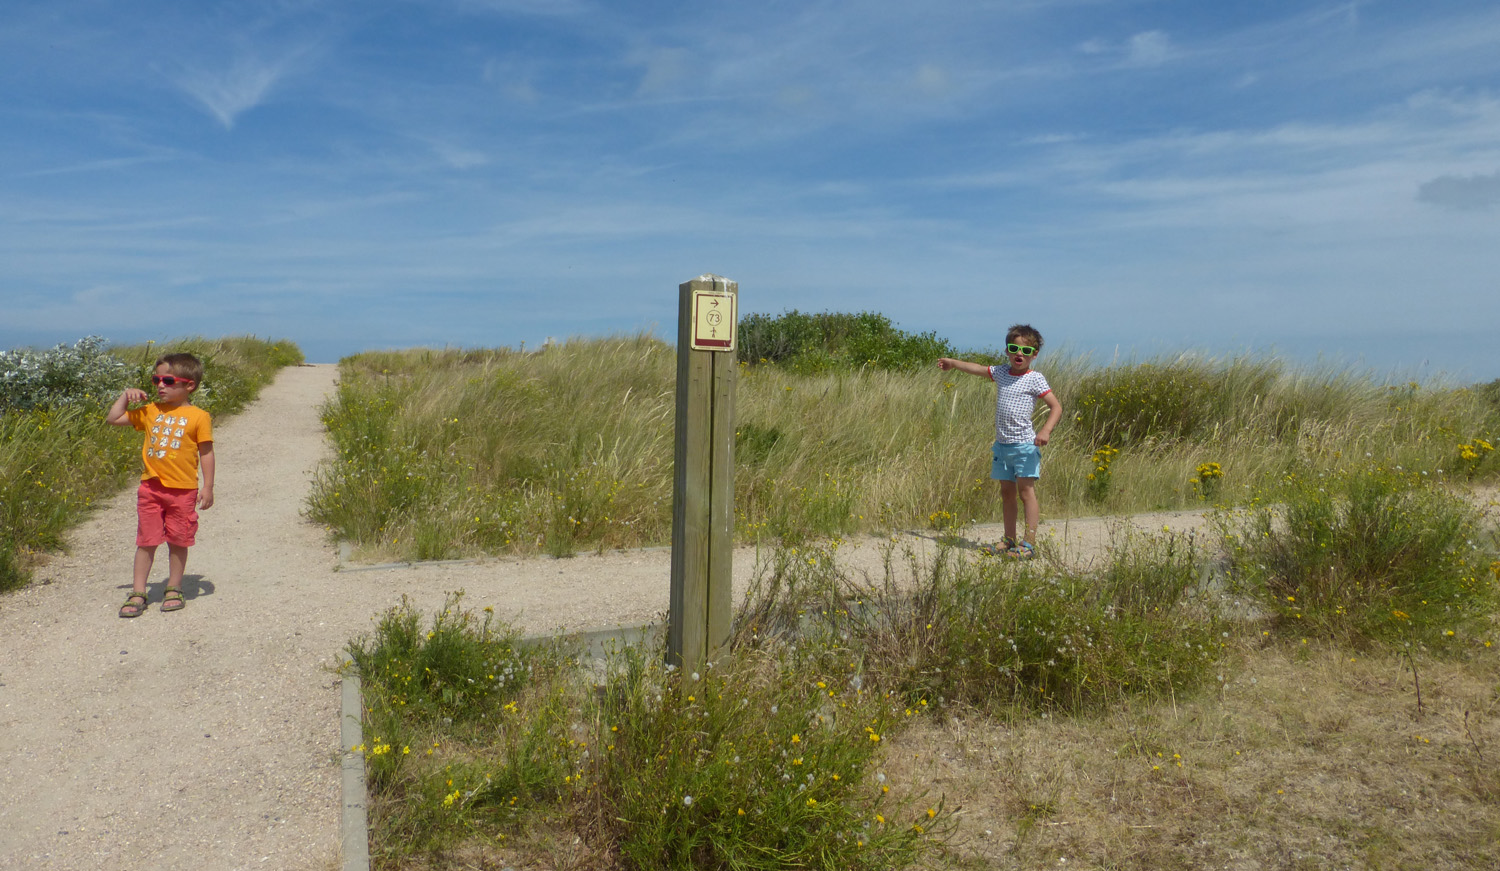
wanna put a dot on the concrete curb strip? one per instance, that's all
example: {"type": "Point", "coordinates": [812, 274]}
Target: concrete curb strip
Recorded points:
{"type": "Point", "coordinates": [354, 824]}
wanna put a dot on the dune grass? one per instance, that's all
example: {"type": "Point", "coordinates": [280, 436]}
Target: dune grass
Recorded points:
{"type": "Point", "coordinates": [455, 453]}
{"type": "Point", "coordinates": [57, 456]}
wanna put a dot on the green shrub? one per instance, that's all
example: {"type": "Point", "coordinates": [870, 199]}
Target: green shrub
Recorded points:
{"type": "Point", "coordinates": [820, 342]}
{"type": "Point", "coordinates": [1366, 554]}
{"type": "Point", "coordinates": [459, 674]}
{"type": "Point", "coordinates": [1130, 405]}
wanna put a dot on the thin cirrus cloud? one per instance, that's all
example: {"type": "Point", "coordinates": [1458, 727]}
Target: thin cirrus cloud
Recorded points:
{"type": "Point", "coordinates": [226, 93]}
{"type": "Point", "coordinates": [1150, 48]}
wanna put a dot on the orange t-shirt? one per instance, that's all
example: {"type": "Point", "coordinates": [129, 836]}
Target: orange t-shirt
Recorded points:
{"type": "Point", "coordinates": [172, 440]}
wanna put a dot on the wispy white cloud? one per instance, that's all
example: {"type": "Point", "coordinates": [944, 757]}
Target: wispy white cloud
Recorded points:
{"type": "Point", "coordinates": [228, 92]}
{"type": "Point", "coordinates": [457, 156]}
{"type": "Point", "coordinates": [663, 69]}
{"type": "Point", "coordinates": [105, 165]}
{"type": "Point", "coordinates": [517, 81]}
{"type": "Point", "coordinates": [1142, 50]}
{"type": "Point", "coordinates": [932, 80]}
{"type": "Point", "coordinates": [1149, 49]}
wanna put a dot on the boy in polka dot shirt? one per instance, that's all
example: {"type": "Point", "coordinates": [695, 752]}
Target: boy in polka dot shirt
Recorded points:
{"type": "Point", "coordinates": [1017, 451]}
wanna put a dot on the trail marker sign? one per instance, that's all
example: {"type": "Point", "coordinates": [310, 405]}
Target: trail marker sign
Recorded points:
{"type": "Point", "coordinates": [713, 320]}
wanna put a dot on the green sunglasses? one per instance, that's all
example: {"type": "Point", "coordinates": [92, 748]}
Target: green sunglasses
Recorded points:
{"type": "Point", "coordinates": [1027, 350]}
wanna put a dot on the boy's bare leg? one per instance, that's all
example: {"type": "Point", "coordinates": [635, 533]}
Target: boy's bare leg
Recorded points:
{"type": "Point", "coordinates": [176, 564]}
{"type": "Point", "coordinates": [144, 557]}
{"type": "Point", "coordinates": [1027, 489]}
{"type": "Point", "coordinates": [1008, 508]}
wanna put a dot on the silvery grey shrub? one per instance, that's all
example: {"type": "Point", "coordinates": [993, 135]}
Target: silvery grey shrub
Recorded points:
{"type": "Point", "coordinates": [79, 374]}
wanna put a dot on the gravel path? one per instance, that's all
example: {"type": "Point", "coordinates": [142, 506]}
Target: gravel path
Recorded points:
{"type": "Point", "coordinates": [208, 738]}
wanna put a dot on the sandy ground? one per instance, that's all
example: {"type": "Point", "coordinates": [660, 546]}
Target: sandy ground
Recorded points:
{"type": "Point", "coordinates": [208, 738]}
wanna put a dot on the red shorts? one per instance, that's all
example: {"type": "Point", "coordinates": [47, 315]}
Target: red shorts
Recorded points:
{"type": "Point", "coordinates": [165, 514]}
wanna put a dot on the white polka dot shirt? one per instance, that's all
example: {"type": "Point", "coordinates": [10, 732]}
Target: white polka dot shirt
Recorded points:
{"type": "Point", "coordinates": [1015, 399]}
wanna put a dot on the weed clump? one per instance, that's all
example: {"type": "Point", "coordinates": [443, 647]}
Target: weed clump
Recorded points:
{"type": "Point", "coordinates": [1371, 554]}
{"type": "Point", "coordinates": [462, 668]}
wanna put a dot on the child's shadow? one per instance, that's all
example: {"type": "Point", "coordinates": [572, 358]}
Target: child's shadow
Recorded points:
{"type": "Point", "coordinates": [949, 539]}
{"type": "Point", "coordinates": [193, 586]}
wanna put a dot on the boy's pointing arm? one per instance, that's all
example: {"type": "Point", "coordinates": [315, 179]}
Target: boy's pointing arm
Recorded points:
{"type": "Point", "coordinates": [946, 363]}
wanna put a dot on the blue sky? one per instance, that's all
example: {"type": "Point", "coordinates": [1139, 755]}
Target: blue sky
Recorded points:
{"type": "Point", "coordinates": [1315, 180]}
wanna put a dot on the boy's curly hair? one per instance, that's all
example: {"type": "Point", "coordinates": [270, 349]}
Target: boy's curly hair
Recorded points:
{"type": "Point", "coordinates": [1032, 336]}
{"type": "Point", "coordinates": [183, 365]}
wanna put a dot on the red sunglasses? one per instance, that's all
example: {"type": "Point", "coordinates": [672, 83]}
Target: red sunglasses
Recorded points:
{"type": "Point", "coordinates": [169, 380]}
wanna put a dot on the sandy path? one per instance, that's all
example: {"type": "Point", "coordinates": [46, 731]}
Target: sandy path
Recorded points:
{"type": "Point", "coordinates": [208, 739]}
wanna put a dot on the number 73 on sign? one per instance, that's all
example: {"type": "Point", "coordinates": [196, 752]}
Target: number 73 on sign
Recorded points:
{"type": "Point", "coordinates": [713, 320]}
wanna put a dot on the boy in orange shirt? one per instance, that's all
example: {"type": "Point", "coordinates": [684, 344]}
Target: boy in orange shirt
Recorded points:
{"type": "Point", "coordinates": [179, 441]}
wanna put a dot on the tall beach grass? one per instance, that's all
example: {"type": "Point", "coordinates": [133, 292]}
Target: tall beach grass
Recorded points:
{"type": "Point", "coordinates": [453, 453]}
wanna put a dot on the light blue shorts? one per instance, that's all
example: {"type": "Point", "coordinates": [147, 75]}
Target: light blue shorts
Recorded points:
{"type": "Point", "coordinates": [1016, 461]}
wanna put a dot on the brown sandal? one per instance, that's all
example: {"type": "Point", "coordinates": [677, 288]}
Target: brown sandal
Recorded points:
{"type": "Point", "coordinates": [172, 600]}
{"type": "Point", "coordinates": [131, 608]}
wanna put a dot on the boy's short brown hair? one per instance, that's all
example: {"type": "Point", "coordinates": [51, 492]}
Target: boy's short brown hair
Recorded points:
{"type": "Point", "coordinates": [1027, 332]}
{"type": "Point", "coordinates": [183, 365]}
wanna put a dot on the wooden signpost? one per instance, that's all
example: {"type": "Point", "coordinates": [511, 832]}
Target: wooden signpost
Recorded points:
{"type": "Point", "coordinates": [703, 480]}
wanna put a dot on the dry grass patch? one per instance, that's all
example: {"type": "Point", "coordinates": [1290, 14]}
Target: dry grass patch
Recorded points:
{"type": "Point", "coordinates": [1307, 758]}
